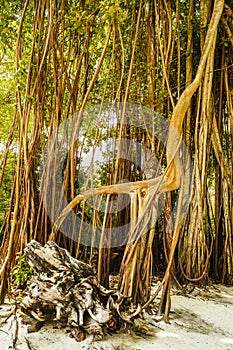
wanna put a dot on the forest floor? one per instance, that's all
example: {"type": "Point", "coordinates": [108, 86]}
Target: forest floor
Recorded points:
{"type": "Point", "coordinates": [201, 319]}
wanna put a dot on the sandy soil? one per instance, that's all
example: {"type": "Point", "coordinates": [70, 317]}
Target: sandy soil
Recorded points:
{"type": "Point", "coordinates": [201, 320]}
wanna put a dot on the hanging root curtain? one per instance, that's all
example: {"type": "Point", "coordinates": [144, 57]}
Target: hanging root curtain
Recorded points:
{"type": "Point", "coordinates": [64, 74]}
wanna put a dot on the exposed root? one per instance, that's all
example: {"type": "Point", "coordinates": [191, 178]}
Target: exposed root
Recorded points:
{"type": "Point", "coordinates": [66, 291]}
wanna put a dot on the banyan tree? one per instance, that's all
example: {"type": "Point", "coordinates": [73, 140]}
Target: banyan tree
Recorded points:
{"type": "Point", "coordinates": [123, 138]}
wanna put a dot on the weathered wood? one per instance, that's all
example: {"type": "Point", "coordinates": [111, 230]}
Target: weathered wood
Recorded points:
{"type": "Point", "coordinates": [66, 290]}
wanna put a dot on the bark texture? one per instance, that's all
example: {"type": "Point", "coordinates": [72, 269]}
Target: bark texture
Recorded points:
{"type": "Point", "coordinates": [65, 290]}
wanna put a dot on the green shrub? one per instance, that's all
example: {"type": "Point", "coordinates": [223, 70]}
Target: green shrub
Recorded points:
{"type": "Point", "coordinates": [21, 272]}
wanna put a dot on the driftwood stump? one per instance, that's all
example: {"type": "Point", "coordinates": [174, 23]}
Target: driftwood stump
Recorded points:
{"type": "Point", "coordinates": [66, 290]}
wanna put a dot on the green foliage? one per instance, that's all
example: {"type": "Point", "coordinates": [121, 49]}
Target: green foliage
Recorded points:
{"type": "Point", "coordinates": [9, 21]}
{"type": "Point", "coordinates": [21, 272]}
{"type": "Point", "coordinates": [7, 93]}
{"type": "Point", "coordinates": [5, 189]}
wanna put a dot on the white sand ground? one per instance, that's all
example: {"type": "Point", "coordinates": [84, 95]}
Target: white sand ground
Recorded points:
{"type": "Point", "coordinates": [203, 320]}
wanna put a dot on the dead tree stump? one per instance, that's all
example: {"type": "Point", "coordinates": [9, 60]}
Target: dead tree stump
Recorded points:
{"type": "Point", "coordinates": [66, 290]}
